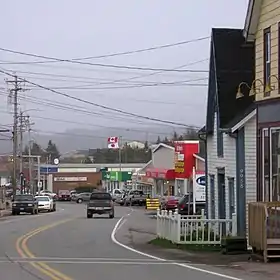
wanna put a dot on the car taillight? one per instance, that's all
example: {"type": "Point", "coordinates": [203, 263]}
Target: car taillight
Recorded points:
{"type": "Point", "coordinates": [182, 206]}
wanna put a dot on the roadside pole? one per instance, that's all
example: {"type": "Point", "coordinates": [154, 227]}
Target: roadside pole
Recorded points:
{"type": "Point", "coordinates": [31, 183]}
{"type": "Point", "coordinates": [120, 153]}
{"type": "Point", "coordinates": [38, 173]}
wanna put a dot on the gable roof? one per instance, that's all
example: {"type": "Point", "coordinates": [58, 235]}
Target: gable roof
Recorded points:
{"type": "Point", "coordinates": [252, 20]}
{"type": "Point", "coordinates": [161, 145]}
{"type": "Point", "coordinates": [233, 62]}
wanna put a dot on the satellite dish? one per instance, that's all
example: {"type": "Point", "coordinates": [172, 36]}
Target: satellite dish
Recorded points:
{"type": "Point", "coordinates": [56, 161]}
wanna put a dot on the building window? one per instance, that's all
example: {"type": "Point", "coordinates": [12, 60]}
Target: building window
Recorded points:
{"type": "Point", "coordinates": [220, 141]}
{"type": "Point", "coordinates": [267, 57]}
{"type": "Point", "coordinates": [275, 164]}
{"type": "Point", "coordinates": [266, 165]}
{"type": "Point", "coordinates": [278, 57]}
{"type": "Point", "coordinates": [231, 196]}
{"type": "Point", "coordinates": [212, 196]}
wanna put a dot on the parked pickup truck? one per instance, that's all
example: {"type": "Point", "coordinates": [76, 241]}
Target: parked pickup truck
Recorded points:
{"type": "Point", "coordinates": [26, 203]}
{"type": "Point", "coordinates": [136, 197]}
{"type": "Point", "coordinates": [64, 195]}
{"type": "Point", "coordinates": [100, 203]}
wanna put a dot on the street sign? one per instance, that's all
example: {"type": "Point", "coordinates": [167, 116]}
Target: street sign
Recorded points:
{"type": "Point", "coordinates": [40, 184]}
{"type": "Point", "coordinates": [56, 161]}
{"type": "Point", "coordinates": [46, 170]}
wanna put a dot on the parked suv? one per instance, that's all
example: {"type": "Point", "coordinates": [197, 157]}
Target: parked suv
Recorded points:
{"type": "Point", "coordinates": [26, 203]}
{"type": "Point", "coordinates": [185, 205]}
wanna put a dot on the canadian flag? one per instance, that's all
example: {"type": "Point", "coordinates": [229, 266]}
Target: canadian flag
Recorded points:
{"type": "Point", "coordinates": [113, 139]}
{"type": "Point", "coordinates": [113, 145]}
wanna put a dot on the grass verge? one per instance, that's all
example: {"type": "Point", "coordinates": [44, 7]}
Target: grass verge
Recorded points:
{"type": "Point", "coordinates": [164, 243]}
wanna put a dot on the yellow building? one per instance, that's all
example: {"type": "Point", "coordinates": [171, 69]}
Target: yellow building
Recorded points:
{"type": "Point", "coordinates": [262, 27]}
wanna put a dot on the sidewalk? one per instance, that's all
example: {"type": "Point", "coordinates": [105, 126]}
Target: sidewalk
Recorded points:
{"type": "Point", "coordinates": [140, 228]}
{"type": "Point", "coordinates": [5, 213]}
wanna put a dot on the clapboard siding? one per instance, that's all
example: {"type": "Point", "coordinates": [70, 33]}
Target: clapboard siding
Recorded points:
{"type": "Point", "coordinates": [250, 162]}
{"type": "Point", "coordinates": [269, 17]}
{"type": "Point", "coordinates": [229, 163]}
{"type": "Point", "coordinates": [214, 162]}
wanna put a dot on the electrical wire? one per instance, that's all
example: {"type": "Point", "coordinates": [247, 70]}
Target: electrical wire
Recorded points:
{"type": "Point", "coordinates": [126, 52]}
{"type": "Point", "coordinates": [104, 65]}
{"type": "Point", "coordinates": [99, 105]}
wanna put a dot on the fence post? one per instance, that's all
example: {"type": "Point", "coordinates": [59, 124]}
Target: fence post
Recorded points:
{"type": "Point", "coordinates": [158, 224]}
{"type": "Point", "coordinates": [178, 228]}
{"type": "Point", "coordinates": [234, 224]}
{"type": "Point", "coordinates": [202, 213]}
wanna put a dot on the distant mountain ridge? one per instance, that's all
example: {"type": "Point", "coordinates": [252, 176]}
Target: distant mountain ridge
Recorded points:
{"type": "Point", "coordinates": [80, 139]}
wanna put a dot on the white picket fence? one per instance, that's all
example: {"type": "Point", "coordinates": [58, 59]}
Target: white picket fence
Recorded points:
{"type": "Point", "coordinates": [193, 229]}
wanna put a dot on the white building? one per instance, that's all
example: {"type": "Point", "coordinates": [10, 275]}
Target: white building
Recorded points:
{"type": "Point", "coordinates": [230, 130]}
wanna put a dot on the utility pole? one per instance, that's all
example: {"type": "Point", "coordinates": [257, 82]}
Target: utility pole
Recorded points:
{"type": "Point", "coordinates": [20, 141]}
{"type": "Point", "coordinates": [120, 153]}
{"type": "Point", "coordinates": [14, 94]}
{"type": "Point", "coordinates": [30, 159]}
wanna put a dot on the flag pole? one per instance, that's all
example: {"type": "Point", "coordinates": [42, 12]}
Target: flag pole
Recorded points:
{"type": "Point", "coordinates": [120, 153]}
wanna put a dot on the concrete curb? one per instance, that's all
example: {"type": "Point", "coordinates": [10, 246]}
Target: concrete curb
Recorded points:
{"type": "Point", "coordinates": [5, 213]}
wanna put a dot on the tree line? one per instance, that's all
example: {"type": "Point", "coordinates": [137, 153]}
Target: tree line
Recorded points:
{"type": "Point", "coordinates": [127, 154]}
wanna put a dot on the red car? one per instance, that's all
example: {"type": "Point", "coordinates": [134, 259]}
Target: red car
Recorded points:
{"type": "Point", "coordinates": [169, 203]}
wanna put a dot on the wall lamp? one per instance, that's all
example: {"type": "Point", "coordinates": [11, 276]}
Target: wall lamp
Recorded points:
{"type": "Point", "coordinates": [256, 86]}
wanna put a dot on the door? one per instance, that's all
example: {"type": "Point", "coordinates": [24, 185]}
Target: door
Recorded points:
{"type": "Point", "coordinates": [222, 199]}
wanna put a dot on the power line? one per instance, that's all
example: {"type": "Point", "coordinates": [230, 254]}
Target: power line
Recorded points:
{"type": "Point", "coordinates": [121, 53]}
{"type": "Point", "coordinates": [104, 65]}
{"type": "Point", "coordinates": [100, 105]}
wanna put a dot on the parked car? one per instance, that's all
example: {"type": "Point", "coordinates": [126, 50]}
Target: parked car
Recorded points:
{"type": "Point", "coordinates": [116, 193]}
{"type": "Point", "coordinates": [49, 193]}
{"type": "Point", "coordinates": [100, 203]}
{"type": "Point", "coordinates": [82, 197]}
{"type": "Point", "coordinates": [45, 203]}
{"type": "Point", "coordinates": [169, 203]}
{"type": "Point", "coordinates": [135, 197]}
{"type": "Point", "coordinates": [24, 203]}
{"type": "Point", "coordinates": [121, 199]}
{"type": "Point", "coordinates": [185, 206]}
{"type": "Point", "coordinates": [64, 195]}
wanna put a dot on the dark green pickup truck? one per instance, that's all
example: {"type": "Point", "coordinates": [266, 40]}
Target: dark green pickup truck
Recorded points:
{"type": "Point", "coordinates": [25, 203]}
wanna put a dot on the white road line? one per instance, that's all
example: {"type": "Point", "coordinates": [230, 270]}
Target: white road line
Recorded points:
{"type": "Point", "coordinates": [113, 238]}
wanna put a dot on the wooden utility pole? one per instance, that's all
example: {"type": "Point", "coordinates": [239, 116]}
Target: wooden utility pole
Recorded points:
{"type": "Point", "coordinates": [14, 94]}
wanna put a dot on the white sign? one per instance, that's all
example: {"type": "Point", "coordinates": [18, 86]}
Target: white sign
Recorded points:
{"type": "Point", "coordinates": [56, 161]}
{"type": "Point", "coordinates": [70, 179]}
{"type": "Point", "coordinates": [40, 184]}
{"type": "Point", "coordinates": [199, 187]}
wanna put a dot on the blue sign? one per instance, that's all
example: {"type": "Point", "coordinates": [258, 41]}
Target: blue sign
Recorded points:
{"type": "Point", "coordinates": [201, 180]}
{"type": "Point", "coordinates": [45, 170]}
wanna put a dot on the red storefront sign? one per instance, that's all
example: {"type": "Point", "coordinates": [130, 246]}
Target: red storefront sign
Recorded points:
{"type": "Point", "coordinates": [184, 159]}
{"type": "Point", "coordinates": [156, 173]}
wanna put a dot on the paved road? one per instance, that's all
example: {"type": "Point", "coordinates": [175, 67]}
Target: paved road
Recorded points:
{"type": "Point", "coordinates": [67, 246]}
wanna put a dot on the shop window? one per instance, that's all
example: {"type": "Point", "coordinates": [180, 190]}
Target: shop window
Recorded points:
{"type": "Point", "coordinates": [212, 195]}
{"type": "Point", "coordinates": [231, 196]}
{"type": "Point", "coordinates": [266, 165]}
{"type": "Point", "coordinates": [267, 57]}
{"type": "Point", "coordinates": [275, 164]}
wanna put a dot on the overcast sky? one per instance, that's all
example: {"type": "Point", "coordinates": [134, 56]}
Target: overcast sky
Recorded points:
{"type": "Point", "coordinates": [69, 29]}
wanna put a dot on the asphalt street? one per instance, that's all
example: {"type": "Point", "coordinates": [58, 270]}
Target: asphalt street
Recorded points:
{"type": "Point", "coordinates": [65, 245]}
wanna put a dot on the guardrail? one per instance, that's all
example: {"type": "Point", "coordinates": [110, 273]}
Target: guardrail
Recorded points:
{"type": "Point", "coordinates": [193, 229]}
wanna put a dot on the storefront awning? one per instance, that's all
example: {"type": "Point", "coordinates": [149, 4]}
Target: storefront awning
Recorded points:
{"type": "Point", "coordinates": [157, 173]}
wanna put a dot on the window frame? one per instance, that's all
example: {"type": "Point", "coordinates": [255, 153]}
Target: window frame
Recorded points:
{"type": "Point", "coordinates": [212, 196]}
{"type": "Point", "coordinates": [266, 58]}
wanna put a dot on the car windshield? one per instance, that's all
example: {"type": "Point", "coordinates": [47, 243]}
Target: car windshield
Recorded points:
{"type": "Point", "coordinates": [100, 196]}
{"type": "Point", "coordinates": [185, 199]}
{"type": "Point", "coordinates": [23, 198]}
{"type": "Point", "coordinates": [42, 198]}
